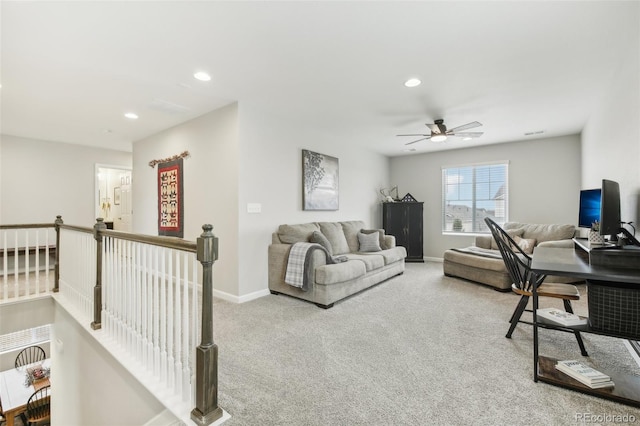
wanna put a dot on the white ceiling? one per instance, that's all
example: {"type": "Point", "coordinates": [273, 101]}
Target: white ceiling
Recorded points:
{"type": "Point", "coordinates": [71, 69]}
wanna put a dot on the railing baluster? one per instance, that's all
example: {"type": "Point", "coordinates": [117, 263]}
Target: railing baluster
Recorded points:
{"type": "Point", "coordinates": [170, 325]}
{"type": "Point", "coordinates": [186, 365]}
{"type": "Point", "coordinates": [5, 275]}
{"type": "Point", "coordinates": [15, 265]}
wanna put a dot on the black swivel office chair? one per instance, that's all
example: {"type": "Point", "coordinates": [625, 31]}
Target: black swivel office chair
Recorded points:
{"type": "Point", "coordinates": [518, 265]}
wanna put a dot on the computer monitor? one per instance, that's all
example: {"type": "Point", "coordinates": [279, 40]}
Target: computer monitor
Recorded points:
{"type": "Point", "coordinates": [589, 212]}
{"type": "Point", "coordinates": [610, 222]}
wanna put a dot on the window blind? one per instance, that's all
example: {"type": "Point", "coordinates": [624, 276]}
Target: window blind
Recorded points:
{"type": "Point", "coordinates": [24, 338]}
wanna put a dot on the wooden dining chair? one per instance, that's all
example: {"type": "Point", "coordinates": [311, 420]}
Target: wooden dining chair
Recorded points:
{"type": "Point", "coordinates": [38, 410]}
{"type": "Point", "coordinates": [30, 355]}
{"type": "Point", "coordinates": [2, 418]}
{"type": "Point", "coordinates": [518, 264]}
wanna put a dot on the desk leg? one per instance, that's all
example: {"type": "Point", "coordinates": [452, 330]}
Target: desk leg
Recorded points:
{"type": "Point", "coordinates": [9, 417]}
{"type": "Point", "coordinates": [535, 329]}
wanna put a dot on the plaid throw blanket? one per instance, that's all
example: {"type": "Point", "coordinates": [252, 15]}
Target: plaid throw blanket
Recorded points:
{"type": "Point", "coordinates": [298, 272]}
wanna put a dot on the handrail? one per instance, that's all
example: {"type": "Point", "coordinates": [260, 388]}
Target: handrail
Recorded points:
{"type": "Point", "coordinates": [169, 242]}
{"type": "Point", "coordinates": [28, 226]}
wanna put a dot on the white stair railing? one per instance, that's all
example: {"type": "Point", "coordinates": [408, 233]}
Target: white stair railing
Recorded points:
{"type": "Point", "coordinates": [150, 306]}
{"type": "Point", "coordinates": [78, 250]}
{"type": "Point", "coordinates": [26, 260]}
{"type": "Point", "coordinates": [151, 296]}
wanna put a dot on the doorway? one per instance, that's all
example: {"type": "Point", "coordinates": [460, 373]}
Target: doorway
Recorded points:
{"type": "Point", "coordinates": [113, 196]}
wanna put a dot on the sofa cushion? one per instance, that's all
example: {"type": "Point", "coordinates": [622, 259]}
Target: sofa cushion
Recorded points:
{"type": "Point", "coordinates": [369, 242]}
{"type": "Point", "coordinates": [340, 272]}
{"type": "Point", "coordinates": [334, 233]}
{"type": "Point", "coordinates": [526, 244]}
{"type": "Point", "coordinates": [546, 232]}
{"type": "Point", "coordinates": [390, 255]}
{"type": "Point", "coordinates": [301, 233]}
{"type": "Point", "coordinates": [476, 260]}
{"type": "Point", "coordinates": [381, 235]}
{"type": "Point", "coordinates": [351, 229]}
{"type": "Point", "coordinates": [370, 262]}
{"type": "Point", "coordinates": [319, 238]}
{"type": "Point", "coordinates": [513, 233]}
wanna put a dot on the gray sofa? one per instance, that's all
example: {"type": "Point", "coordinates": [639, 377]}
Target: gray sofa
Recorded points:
{"type": "Point", "coordinates": [352, 259]}
{"type": "Point", "coordinates": [483, 263]}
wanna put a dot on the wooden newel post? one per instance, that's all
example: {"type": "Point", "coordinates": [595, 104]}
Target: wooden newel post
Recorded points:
{"type": "Point", "coordinates": [97, 290]}
{"type": "Point", "coordinates": [56, 277]}
{"type": "Point", "coordinates": [207, 410]}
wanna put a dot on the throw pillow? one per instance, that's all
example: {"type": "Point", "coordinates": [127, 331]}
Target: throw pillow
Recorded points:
{"type": "Point", "coordinates": [526, 244]}
{"type": "Point", "coordinates": [369, 242]}
{"type": "Point", "coordinates": [319, 238]}
{"type": "Point", "coordinates": [512, 233]}
{"type": "Point", "coordinates": [380, 233]}
{"type": "Point", "coordinates": [290, 234]}
{"type": "Point", "coordinates": [335, 235]}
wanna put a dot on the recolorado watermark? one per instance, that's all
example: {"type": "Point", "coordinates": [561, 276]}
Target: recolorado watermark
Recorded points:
{"type": "Point", "coordinates": [603, 417]}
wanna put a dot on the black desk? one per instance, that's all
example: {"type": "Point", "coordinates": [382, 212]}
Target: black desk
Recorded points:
{"type": "Point", "coordinates": [572, 262]}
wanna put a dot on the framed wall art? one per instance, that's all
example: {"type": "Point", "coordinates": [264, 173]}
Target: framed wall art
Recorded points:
{"type": "Point", "coordinates": [319, 181]}
{"type": "Point", "coordinates": [170, 199]}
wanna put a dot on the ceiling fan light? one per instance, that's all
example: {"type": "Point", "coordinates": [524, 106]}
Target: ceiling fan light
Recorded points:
{"type": "Point", "coordinates": [438, 138]}
{"type": "Point", "coordinates": [412, 82]}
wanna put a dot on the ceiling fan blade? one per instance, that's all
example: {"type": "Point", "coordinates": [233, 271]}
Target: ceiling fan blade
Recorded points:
{"type": "Point", "coordinates": [467, 134]}
{"type": "Point", "coordinates": [465, 127]}
{"type": "Point", "coordinates": [409, 143]}
{"type": "Point", "coordinates": [433, 127]}
{"type": "Point", "coordinates": [414, 134]}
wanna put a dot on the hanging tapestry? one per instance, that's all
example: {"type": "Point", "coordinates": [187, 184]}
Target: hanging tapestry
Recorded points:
{"type": "Point", "coordinates": [170, 202]}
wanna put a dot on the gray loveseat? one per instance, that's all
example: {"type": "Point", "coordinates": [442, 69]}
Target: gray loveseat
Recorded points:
{"type": "Point", "coordinates": [350, 260]}
{"type": "Point", "coordinates": [482, 262]}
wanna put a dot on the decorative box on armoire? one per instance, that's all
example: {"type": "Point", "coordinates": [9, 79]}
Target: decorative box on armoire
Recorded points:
{"type": "Point", "coordinates": [403, 220]}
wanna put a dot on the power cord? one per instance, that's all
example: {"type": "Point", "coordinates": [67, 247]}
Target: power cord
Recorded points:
{"type": "Point", "coordinates": [631, 225]}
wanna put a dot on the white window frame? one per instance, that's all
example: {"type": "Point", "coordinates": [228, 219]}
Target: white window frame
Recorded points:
{"type": "Point", "coordinates": [476, 225]}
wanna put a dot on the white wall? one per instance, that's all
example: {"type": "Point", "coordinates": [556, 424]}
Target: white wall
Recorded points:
{"type": "Point", "coordinates": [42, 179]}
{"type": "Point", "coordinates": [94, 389]}
{"type": "Point", "coordinates": [544, 183]}
{"type": "Point", "coordinates": [611, 138]}
{"type": "Point", "coordinates": [271, 174]}
{"type": "Point", "coordinates": [210, 184]}
{"type": "Point", "coordinates": [249, 154]}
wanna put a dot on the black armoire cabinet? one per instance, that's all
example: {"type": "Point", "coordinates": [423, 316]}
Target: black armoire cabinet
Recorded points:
{"type": "Point", "coordinates": [403, 220]}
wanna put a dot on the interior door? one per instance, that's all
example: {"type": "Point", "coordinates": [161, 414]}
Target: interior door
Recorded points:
{"type": "Point", "coordinates": [123, 221]}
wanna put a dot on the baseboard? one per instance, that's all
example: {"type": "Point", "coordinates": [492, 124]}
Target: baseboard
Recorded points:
{"type": "Point", "coordinates": [434, 259]}
{"type": "Point", "coordinates": [240, 299]}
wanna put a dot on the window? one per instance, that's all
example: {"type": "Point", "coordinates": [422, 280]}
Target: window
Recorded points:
{"type": "Point", "coordinates": [22, 339]}
{"type": "Point", "coordinates": [471, 193]}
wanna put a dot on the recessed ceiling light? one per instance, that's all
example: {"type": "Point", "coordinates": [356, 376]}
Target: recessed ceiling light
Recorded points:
{"type": "Point", "coordinates": [202, 76]}
{"type": "Point", "coordinates": [131, 115]}
{"type": "Point", "coordinates": [466, 139]}
{"type": "Point", "coordinates": [412, 82]}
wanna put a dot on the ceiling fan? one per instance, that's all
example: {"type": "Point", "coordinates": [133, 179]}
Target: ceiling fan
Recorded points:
{"type": "Point", "coordinates": [439, 132]}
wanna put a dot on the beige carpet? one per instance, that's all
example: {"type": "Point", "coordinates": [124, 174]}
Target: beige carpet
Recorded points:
{"type": "Point", "coordinates": [419, 349]}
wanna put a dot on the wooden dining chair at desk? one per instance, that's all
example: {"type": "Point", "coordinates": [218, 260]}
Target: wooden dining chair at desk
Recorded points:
{"type": "Point", "coordinates": [518, 264]}
{"type": "Point", "coordinates": [30, 355]}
